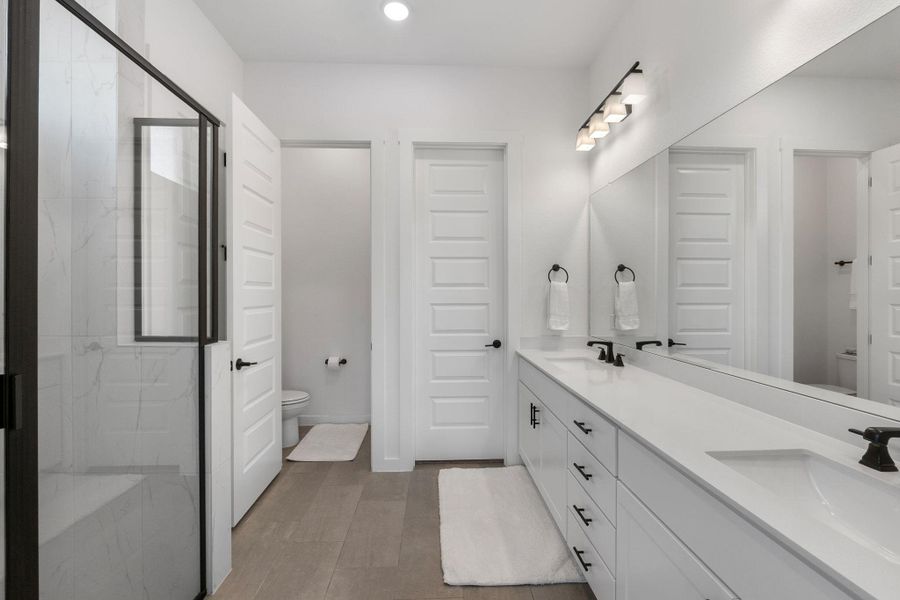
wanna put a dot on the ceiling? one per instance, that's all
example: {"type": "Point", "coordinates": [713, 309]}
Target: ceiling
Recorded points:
{"type": "Point", "coordinates": [872, 53]}
{"type": "Point", "coordinates": [523, 33]}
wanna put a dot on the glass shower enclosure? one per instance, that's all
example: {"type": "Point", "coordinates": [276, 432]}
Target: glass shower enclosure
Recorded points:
{"type": "Point", "coordinates": [121, 237]}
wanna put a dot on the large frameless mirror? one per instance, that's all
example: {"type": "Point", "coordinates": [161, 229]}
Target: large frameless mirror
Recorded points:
{"type": "Point", "coordinates": [767, 243]}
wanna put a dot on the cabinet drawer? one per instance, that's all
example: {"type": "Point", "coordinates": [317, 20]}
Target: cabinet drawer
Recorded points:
{"type": "Point", "coordinates": [593, 477]}
{"type": "Point", "coordinates": [598, 529]}
{"type": "Point", "coordinates": [588, 560]}
{"type": "Point", "coordinates": [553, 395]}
{"type": "Point", "coordinates": [596, 433]}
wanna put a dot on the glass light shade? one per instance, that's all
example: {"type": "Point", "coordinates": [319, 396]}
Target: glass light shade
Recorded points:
{"type": "Point", "coordinates": [634, 89]}
{"type": "Point", "coordinates": [584, 142]}
{"type": "Point", "coordinates": [597, 127]}
{"type": "Point", "coordinates": [396, 11]}
{"type": "Point", "coordinates": [614, 111]}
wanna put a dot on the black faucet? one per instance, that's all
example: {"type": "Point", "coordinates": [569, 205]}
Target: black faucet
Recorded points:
{"type": "Point", "coordinates": [640, 345]}
{"type": "Point", "coordinates": [619, 362]}
{"type": "Point", "coordinates": [877, 456]}
{"type": "Point", "coordinates": [606, 353]}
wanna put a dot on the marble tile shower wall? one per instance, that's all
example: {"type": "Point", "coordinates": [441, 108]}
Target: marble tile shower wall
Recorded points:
{"type": "Point", "coordinates": [118, 420]}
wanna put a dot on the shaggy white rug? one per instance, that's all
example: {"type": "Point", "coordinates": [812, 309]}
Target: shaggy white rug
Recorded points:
{"type": "Point", "coordinates": [495, 530]}
{"type": "Point", "coordinates": [330, 443]}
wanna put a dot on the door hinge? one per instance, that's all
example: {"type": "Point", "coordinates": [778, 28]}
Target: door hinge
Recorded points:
{"type": "Point", "coordinates": [870, 260]}
{"type": "Point", "coordinates": [224, 253]}
{"type": "Point", "coordinates": [224, 159]}
{"type": "Point", "coordinates": [231, 365]}
{"type": "Point", "coordinates": [11, 401]}
{"type": "Point", "coordinates": [870, 339]}
{"type": "Point", "coordinates": [870, 181]}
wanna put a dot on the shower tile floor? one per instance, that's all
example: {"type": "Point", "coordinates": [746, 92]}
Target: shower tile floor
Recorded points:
{"type": "Point", "coordinates": [339, 531]}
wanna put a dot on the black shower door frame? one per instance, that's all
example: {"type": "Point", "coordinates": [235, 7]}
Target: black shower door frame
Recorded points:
{"type": "Point", "coordinates": [18, 385]}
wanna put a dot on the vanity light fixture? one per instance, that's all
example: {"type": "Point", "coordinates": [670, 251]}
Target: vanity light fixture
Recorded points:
{"type": "Point", "coordinates": [396, 11]}
{"type": "Point", "coordinates": [615, 108]}
{"type": "Point", "coordinates": [584, 142]}
{"type": "Point", "coordinates": [597, 127]}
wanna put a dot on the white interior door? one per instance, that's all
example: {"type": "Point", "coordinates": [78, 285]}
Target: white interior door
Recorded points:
{"type": "Point", "coordinates": [884, 295]}
{"type": "Point", "coordinates": [460, 197]}
{"type": "Point", "coordinates": [255, 170]}
{"type": "Point", "coordinates": [706, 250]}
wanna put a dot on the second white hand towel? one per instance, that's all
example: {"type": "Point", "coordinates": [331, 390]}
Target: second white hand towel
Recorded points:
{"type": "Point", "coordinates": [627, 316]}
{"type": "Point", "coordinates": [558, 306]}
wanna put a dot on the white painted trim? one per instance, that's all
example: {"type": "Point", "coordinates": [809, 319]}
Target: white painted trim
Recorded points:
{"type": "Point", "coordinates": [511, 142]}
{"type": "Point", "coordinates": [319, 419]}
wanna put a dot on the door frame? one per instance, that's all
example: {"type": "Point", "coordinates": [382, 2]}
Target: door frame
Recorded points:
{"type": "Point", "coordinates": [863, 250]}
{"type": "Point", "coordinates": [511, 145]}
{"type": "Point", "coordinates": [22, 551]}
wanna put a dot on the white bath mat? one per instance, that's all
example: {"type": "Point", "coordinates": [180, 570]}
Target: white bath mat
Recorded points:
{"type": "Point", "coordinates": [330, 443]}
{"type": "Point", "coordinates": [495, 530]}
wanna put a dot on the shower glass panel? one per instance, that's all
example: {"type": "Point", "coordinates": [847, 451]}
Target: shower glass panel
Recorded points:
{"type": "Point", "coordinates": [119, 484]}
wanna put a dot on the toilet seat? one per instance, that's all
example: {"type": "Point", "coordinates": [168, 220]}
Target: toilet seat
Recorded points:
{"type": "Point", "coordinates": [291, 397]}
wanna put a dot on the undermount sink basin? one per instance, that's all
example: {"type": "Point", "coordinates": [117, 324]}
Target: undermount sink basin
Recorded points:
{"type": "Point", "coordinates": [862, 508]}
{"type": "Point", "coordinates": [576, 363]}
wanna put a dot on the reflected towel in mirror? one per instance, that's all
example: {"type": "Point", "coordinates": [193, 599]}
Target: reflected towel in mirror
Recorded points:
{"type": "Point", "coordinates": [627, 316]}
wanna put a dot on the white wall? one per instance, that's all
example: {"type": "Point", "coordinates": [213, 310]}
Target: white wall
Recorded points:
{"type": "Point", "coordinates": [377, 102]}
{"type": "Point", "coordinates": [702, 58]}
{"type": "Point", "coordinates": [326, 278]}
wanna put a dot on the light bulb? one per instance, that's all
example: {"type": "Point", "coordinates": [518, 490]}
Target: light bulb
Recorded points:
{"type": "Point", "coordinates": [583, 141]}
{"type": "Point", "coordinates": [396, 11]}
{"type": "Point", "coordinates": [634, 89]}
{"type": "Point", "coordinates": [597, 127]}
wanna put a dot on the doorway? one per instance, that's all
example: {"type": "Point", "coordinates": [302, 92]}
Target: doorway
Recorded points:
{"type": "Point", "coordinates": [460, 272]}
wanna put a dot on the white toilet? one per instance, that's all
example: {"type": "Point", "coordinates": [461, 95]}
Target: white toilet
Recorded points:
{"type": "Point", "coordinates": [293, 402]}
{"type": "Point", "coordinates": [846, 375]}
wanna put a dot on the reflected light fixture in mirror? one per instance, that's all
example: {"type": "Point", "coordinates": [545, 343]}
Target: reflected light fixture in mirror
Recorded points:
{"type": "Point", "coordinates": [615, 111]}
{"type": "Point", "coordinates": [584, 142]}
{"type": "Point", "coordinates": [634, 88]}
{"type": "Point", "coordinates": [396, 11]}
{"type": "Point", "coordinates": [597, 127]}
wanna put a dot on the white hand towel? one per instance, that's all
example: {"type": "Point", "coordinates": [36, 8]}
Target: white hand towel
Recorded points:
{"type": "Point", "coordinates": [853, 285]}
{"type": "Point", "coordinates": [627, 307]}
{"type": "Point", "coordinates": [558, 306]}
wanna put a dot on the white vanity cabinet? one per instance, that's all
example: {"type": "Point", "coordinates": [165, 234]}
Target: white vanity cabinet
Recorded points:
{"type": "Point", "coordinates": [645, 529]}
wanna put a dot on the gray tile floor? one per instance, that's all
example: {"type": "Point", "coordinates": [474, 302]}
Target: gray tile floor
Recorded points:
{"type": "Point", "coordinates": [339, 531]}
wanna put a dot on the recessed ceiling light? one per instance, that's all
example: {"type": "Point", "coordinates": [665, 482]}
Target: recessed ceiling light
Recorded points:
{"type": "Point", "coordinates": [396, 11]}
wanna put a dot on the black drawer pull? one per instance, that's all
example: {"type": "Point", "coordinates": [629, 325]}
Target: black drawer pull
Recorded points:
{"type": "Point", "coordinates": [580, 425]}
{"type": "Point", "coordinates": [581, 470]}
{"type": "Point", "coordinates": [531, 418]}
{"type": "Point", "coordinates": [584, 565]}
{"type": "Point", "coordinates": [580, 513]}
{"type": "Point", "coordinates": [534, 420]}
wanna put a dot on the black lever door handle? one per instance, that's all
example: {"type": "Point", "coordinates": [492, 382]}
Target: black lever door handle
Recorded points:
{"type": "Point", "coordinates": [241, 363]}
{"type": "Point", "coordinates": [580, 425]}
{"type": "Point", "coordinates": [584, 565]}
{"type": "Point", "coordinates": [580, 513]}
{"type": "Point", "coordinates": [581, 470]}
{"type": "Point", "coordinates": [494, 344]}
{"type": "Point", "coordinates": [674, 343]}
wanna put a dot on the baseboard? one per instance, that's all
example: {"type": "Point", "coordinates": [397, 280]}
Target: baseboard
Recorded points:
{"type": "Point", "coordinates": [319, 419]}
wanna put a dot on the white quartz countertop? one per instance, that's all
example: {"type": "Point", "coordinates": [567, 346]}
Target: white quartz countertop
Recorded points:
{"type": "Point", "coordinates": [681, 424]}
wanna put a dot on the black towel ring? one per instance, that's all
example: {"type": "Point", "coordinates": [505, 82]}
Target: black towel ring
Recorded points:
{"type": "Point", "coordinates": [557, 268]}
{"type": "Point", "coordinates": [622, 269]}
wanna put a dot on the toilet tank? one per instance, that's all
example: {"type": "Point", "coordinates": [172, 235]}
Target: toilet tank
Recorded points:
{"type": "Point", "coordinates": [846, 370]}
